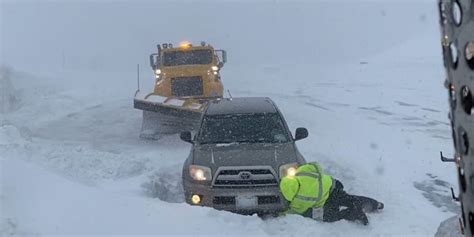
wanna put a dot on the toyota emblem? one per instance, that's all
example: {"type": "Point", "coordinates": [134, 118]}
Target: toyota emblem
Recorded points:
{"type": "Point", "coordinates": [245, 175]}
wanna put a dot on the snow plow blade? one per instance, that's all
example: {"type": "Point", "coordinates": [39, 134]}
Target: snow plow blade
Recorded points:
{"type": "Point", "coordinates": [165, 116]}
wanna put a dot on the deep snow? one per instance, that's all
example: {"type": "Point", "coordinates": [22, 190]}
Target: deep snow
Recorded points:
{"type": "Point", "coordinates": [364, 77]}
{"type": "Point", "coordinates": [449, 228]}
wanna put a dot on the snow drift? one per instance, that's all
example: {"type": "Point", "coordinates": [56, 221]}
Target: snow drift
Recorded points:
{"type": "Point", "coordinates": [9, 99]}
{"type": "Point", "coordinates": [449, 228]}
{"type": "Point", "coordinates": [165, 184]}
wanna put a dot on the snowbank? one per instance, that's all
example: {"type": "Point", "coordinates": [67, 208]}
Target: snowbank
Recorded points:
{"type": "Point", "coordinates": [9, 100]}
{"type": "Point", "coordinates": [51, 205]}
{"type": "Point", "coordinates": [10, 136]}
{"type": "Point", "coordinates": [165, 184]}
{"type": "Point", "coordinates": [449, 228]}
{"type": "Point", "coordinates": [79, 162]}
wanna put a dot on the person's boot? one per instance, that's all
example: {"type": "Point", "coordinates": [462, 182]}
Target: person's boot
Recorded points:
{"type": "Point", "coordinates": [380, 206]}
{"type": "Point", "coordinates": [372, 206]}
{"type": "Point", "coordinates": [362, 219]}
{"type": "Point", "coordinates": [357, 216]}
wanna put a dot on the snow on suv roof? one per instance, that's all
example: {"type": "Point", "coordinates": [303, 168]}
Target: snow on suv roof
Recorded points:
{"type": "Point", "coordinates": [245, 105]}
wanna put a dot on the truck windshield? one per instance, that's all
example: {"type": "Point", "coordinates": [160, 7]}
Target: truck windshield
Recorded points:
{"type": "Point", "coordinates": [243, 128]}
{"type": "Point", "coordinates": [176, 58]}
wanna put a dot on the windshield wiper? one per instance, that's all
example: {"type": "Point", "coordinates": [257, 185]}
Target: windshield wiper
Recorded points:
{"type": "Point", "coordinates": [251, 141]}
{"type": "Point", "coordinates": [217, 142]}
{"type": "Point", "coordinates": [238, 142]}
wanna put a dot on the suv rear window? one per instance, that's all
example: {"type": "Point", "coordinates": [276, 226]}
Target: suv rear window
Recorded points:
{"type": "Point", "coordinates": [243, 128]}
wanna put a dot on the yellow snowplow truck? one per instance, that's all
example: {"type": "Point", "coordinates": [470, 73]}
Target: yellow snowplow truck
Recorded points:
{"type": "Point", "coordinates": [187, 77]}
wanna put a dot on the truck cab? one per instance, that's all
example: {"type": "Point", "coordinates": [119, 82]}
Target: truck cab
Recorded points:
{"type": "Point", "coordinates": [188, 71]}
{"type": "Point", "coordinates": [187, 77]}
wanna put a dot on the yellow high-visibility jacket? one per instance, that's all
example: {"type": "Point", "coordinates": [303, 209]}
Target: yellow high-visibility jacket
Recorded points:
{"type": "Point", "coordinates": [314, 188]}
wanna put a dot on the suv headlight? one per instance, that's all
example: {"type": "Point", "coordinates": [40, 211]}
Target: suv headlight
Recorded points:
{"type": "Point", "coordinates": [200, 173]}
{"type": "Point", "coordinates": [288, 170]}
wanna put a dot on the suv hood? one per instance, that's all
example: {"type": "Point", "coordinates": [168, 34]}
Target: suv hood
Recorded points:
{"type": "Point", "coordinates": [259, 154]}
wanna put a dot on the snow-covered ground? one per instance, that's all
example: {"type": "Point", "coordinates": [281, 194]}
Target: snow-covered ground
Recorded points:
{"type": "Point", "coordinates": [365, 78]}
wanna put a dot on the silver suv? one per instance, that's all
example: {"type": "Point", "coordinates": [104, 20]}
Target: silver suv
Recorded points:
{"type": "Point", "coordinates": [239, 153]}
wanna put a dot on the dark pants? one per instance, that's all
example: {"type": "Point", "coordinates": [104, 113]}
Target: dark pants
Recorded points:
{"type": "Point", "coordinates": [341, 205]}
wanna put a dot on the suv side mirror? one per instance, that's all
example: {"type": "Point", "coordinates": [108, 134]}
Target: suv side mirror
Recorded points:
{"type": "Point", "coordinates": [186, 136]}
{"type": "Point", "coordinates": [301, 133]}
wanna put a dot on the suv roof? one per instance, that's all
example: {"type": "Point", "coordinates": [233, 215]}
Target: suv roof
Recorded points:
{"type": "Point", "coordinates": [244, 105]}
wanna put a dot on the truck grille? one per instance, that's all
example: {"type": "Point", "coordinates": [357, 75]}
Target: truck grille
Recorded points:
{"type": "Point", "coordinates": [186, 86]}
{"type": "Point", "coordinates": [239, 177]}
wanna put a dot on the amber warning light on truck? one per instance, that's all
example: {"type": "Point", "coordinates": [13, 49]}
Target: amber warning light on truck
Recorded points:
{"type": "Point", "coordinates": [185, 44]}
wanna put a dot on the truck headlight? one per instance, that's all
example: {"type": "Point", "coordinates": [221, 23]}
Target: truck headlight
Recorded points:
{"type": "Point", "coordinates": [215, 68]}
{"type": "Point", "coordinates": [200, 173]}
{"type": "Point", "coordinates": [157, 72]}
{"type": "Point", "coordinates": [288, 170]}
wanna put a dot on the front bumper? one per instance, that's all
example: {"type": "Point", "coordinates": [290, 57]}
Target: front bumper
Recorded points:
{"type": "Point", "coordinates": [262, 200]}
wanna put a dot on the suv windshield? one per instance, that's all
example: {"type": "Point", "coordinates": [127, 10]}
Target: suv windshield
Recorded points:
{"type": "Point", "coordinates": [243, 128]}
{"type": "Point", "coordinates": [176, 58]}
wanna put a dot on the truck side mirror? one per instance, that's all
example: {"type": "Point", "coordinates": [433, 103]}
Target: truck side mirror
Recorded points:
{"type": "Point", "coordinates": [301, 133]}
{"type": "Point", "coordinates": [224, 57]}
{"type": "Point", "coordinates": [186, 136]}
{"type": "Point", "coordinates": [152, 61]}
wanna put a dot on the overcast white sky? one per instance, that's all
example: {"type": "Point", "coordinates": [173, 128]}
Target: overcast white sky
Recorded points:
{"type": "Point", "coordinates": [116, 35]}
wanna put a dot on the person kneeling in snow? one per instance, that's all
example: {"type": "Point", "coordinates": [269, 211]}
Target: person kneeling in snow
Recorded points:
{"type": "Point", "coordinates": [311, 193]}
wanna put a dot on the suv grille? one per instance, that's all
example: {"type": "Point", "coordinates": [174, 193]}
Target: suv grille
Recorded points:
{"type": "Point", "coordinates": [223, 200]}
{"type": "Point", "coordinates": [186, 86]}
{"type": "Point", "coordinates": [230, 200]}
{"type": "Point", "coordinates": [262, 200]}
{"type": "Point", "coordinates": [237, 177]}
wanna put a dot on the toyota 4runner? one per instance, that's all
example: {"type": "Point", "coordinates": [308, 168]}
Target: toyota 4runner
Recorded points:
{"type": "Point", "coordinates": [241, 149]}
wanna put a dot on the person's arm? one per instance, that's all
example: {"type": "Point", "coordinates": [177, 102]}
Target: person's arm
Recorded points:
{"type": "Point", "coordinates": [317, 167]}
{"type": "Point", "coordinates": [295, 209]}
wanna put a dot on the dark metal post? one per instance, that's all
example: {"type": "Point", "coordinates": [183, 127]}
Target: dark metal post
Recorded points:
{"type": "Point", "coordinates": [457, 42]}
{"type": "Point", "coordinates": [138, 77]}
